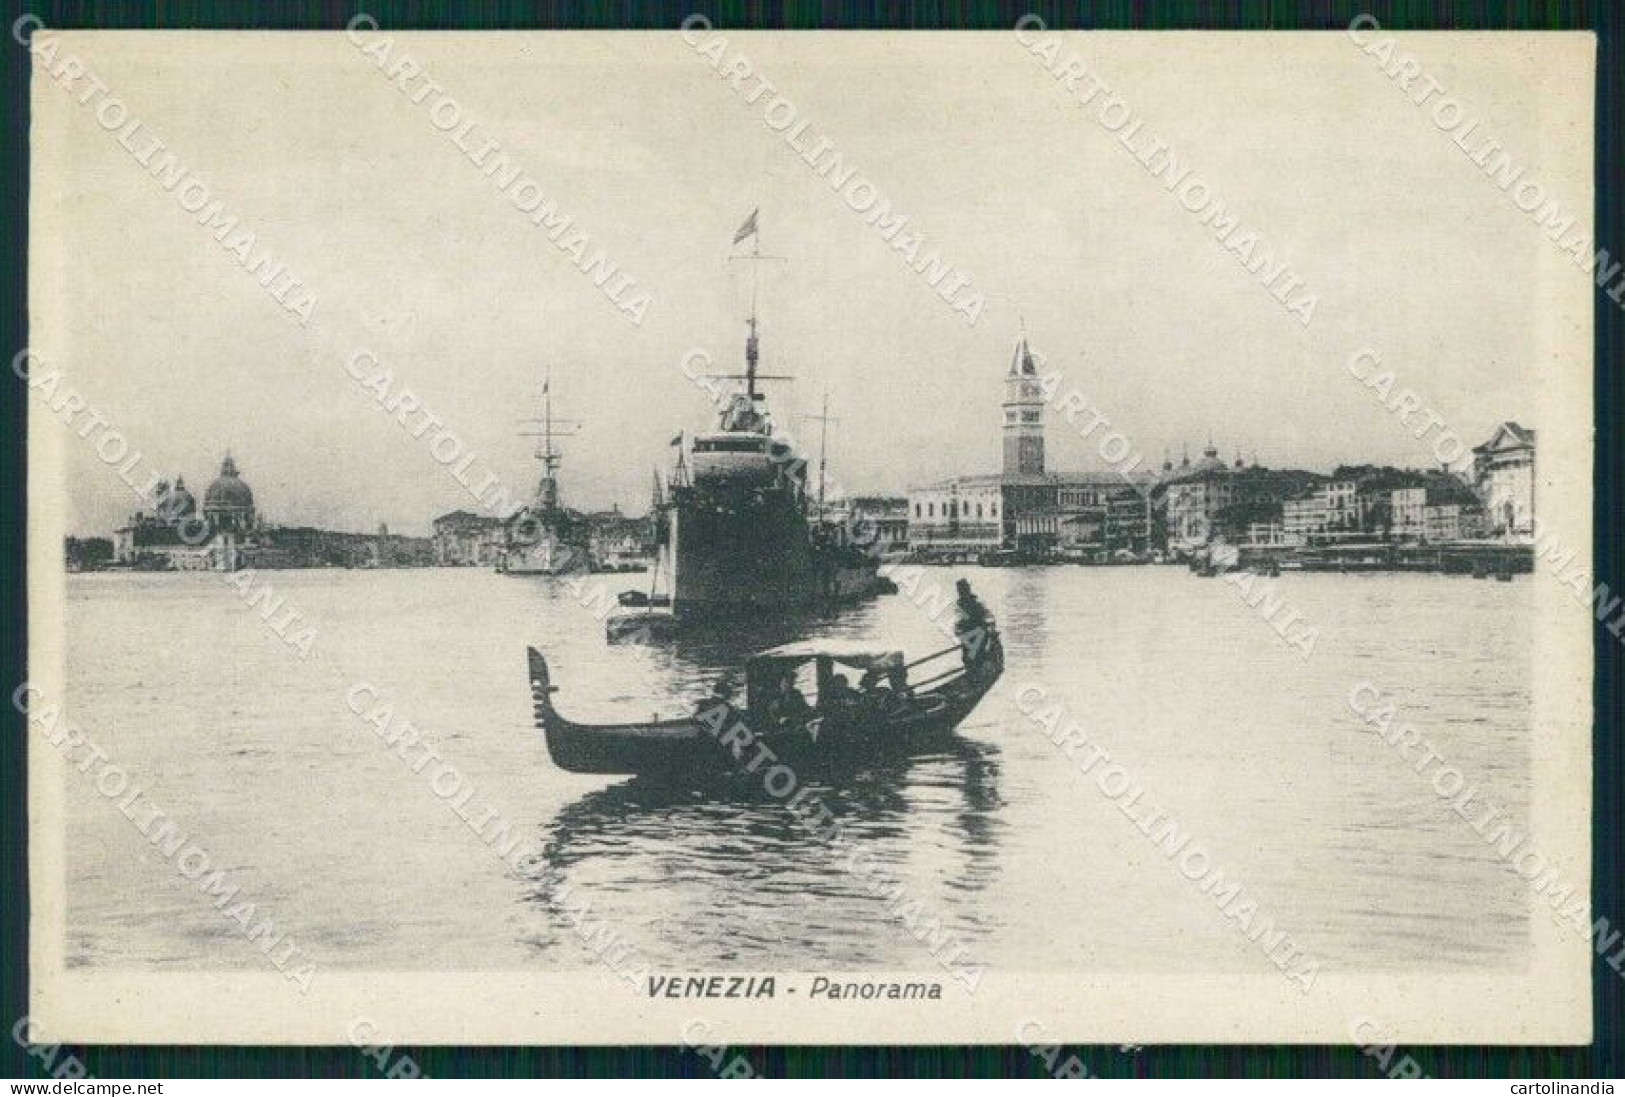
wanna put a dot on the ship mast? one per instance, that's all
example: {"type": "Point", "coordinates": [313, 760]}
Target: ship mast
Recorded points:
{"type": "Point", "coordinates": [550, 459]}
{"type": "Point", "coordinates": [751, 350]}
{"type": "Point", "coordinates": [547, 493]}
{"type": "Point", "coordinates": [823, 420]}
{"type": "Point", "coordinates": [752, 346]}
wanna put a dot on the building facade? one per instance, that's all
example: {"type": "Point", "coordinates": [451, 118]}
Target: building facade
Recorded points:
{"type": "Point", "coordinates": [177, 537]}
{"type": "Point", "coordinates": [1211, 501]}
{"type": "Point", "coordinates": [1026, 507]}
{"type": "Point", "coordinates": [1504, 470]}
{"type": "Point", "coordinates": [962, 516]}
{"type": "Point", "coordinates": [1441, 509]}
{"type": "Point", "coordinates": [1453, 522]}
{"type": "Point", "coordinates": [465, 539]}
{"type": "Point", "coordinates": [1409, 509]}
{"type": "Point", "coordinates": [228, 533]}
{"type": "Point", "coordinates": [879, 522]}
{"type": "Point", "coordinates": [1303, 518]}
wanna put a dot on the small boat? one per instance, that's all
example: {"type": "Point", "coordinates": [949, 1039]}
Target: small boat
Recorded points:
{"type": "Point", "coordinates": [646, 622]}
{"type": "Point", "coordinates": [839, 727]}
{"type": "Point", "coordinates": [1004, 558]}
{"type": "Point", "coordinates": [621, 561]}
{"type": "Point", "coordinates": [638, 599]}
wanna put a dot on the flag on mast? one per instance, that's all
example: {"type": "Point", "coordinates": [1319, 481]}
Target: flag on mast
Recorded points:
{"type": "Point", "coordinates": [748, 229]}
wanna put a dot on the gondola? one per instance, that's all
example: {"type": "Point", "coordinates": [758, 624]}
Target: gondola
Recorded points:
{"type": "Point", "coordinates": [836, 729]}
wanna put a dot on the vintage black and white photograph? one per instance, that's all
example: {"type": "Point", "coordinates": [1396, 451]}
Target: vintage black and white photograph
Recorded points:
{"type": "Point", "coordinates": [705, 537]}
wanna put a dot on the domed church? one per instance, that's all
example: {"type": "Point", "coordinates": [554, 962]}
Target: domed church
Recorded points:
{"type": "Point", "coordinates": [174, 503]}
{"type": "Point", "coordinates": [172, 537]}
{"type": "Point", "coordinates": [228, 504]}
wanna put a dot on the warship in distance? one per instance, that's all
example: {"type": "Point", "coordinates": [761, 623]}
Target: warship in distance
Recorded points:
{"type": "Point", "coordinates": [738, 526]}
{"type": "Point", "coordinates": [545, 538]}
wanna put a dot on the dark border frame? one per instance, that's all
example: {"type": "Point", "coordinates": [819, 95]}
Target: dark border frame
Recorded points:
{"type": "Point", "coordinates": [1607, 19]}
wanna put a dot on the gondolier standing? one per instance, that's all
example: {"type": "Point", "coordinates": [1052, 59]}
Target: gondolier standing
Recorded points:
{"type": "Point", "coordinates": [972, 626]}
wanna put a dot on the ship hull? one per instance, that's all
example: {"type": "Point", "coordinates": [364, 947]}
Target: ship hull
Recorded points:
{"type": "Point", "coordinates": [746, 555]}
{"type": "Point", "coordinates": [549, 556]}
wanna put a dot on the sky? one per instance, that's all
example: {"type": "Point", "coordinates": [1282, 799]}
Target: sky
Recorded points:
{"type": "Point", "coordinates": [416, 256]}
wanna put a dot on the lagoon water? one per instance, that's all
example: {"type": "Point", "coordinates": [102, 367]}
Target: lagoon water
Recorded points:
{"type": "Point", "coordinates": [1252, 748]}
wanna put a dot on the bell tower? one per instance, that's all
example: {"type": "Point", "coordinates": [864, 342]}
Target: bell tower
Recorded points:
{"type": "Point", "coordinates": [1023, 415]}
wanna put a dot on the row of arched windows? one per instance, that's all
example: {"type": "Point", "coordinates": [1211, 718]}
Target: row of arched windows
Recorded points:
{"type": "Point", "coordinates": [956, 510]}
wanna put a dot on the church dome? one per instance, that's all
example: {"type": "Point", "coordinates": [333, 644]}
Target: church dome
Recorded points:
{"type": "Point", "coordinates": [229, 491]}
{"type": "Point", "coordinates": [175, 502]}
{"type": "Point", "coordinates": [1210, 459]}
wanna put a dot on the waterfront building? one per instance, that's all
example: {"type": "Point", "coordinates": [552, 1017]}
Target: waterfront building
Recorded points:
{"type": "Point", "coordinates": [1363, 503]}
{"type": "Point", "coordinates": [1025, 506]}
{"type": "Point", "coordinates": [616, 541]}
{"type": "Point", "coordinates": [1357, 503]}
{"type": "Point", "coordinates": [1409, 509]}
{"type": "Point", "coordinates": [1504, 470]}
{"type": "Point", "coordinates": [1304, 518]}
{"type": "Point", "coordinates": [879, 522]}
{"type": "Point", "coordinates": [1345, 511]}
{"type": "Point", "coordinates": [1270, 534]}
{"type": "Point", "coordinates": [1193, 497]}
{"type": "Point", "coordinates": [311, 547]}
{"type": "Point", "coordinates": [216, 543]}
{"type": "Point", "coordinates": [465, 539]}
{"type": "Point", "coordinates": [1454, 522]}
{"type": "Point", "coordinates": [1440, 508]}
{"type": "Point", "coordinates": [228, 533]}
{"type": "Point", "coordinates": [1038, 529]}
{"type": "Point", "coordinates": [1081, 534]}
{"type": "Point", "coordinates": [1211, 500]}
{"type": "Point", "coordinates": [955, 517]}
{"type": "Point", "coordinates": [228, 504]}
{"type": "Point", "coordinates": [1128, 526]}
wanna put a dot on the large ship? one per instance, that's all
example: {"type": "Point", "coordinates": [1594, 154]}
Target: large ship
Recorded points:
{"type": "Point", "coordinates": [545, 538]}
{"type": "Point", "coordinates": [738, 527]}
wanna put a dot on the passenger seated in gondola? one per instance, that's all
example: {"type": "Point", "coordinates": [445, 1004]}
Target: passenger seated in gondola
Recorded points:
{"type": "Point", "coordinates": [875, 692]}
{"type": "Point", "coordinates": [718, 709]}
{"type": "Point", "coordinates": [788, 704]}
{"type": "Point", "coordinates": [838, 698]}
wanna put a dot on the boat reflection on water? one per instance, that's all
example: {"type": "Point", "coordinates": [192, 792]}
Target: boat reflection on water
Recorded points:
{"type": "Point", "coordinates": [729, 875]}
{"type": "Point", "coordinates": [723, 643]}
